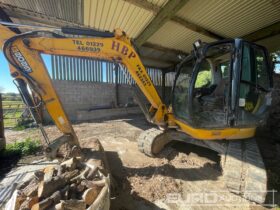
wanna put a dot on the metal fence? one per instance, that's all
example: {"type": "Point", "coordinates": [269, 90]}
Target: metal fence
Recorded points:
{"type": "Point", "coordinates": [91, 70]}
{"type": "Point", "coordinates": [12, 112]}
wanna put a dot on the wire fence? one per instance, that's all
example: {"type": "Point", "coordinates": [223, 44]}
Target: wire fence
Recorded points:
{"type": "Point", "coordinates": [12, 112]}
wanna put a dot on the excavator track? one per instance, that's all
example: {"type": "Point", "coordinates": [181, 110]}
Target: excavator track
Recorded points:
{"type": "Point", "coordinates": [151, 141]}
{"type": "Point", "coordinates": [244, 170]}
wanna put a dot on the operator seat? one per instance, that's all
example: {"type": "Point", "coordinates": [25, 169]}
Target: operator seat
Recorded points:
{"type": "Point", "coordinates": [220, 89]}
{"type": "Point", "coordinates": [217, 97]}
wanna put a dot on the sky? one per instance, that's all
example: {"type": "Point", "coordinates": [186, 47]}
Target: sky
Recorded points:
{"type": "Point", "coordinates": [6, 81]}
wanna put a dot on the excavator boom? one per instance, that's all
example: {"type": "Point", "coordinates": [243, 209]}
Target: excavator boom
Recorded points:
{"type": "Point", "coordinates": [28, 70]}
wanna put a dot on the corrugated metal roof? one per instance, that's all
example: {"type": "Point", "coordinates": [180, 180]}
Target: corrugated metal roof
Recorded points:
{"type": "Point", "coordinates": [232, 18]}
{"type": "Point", "coordinates": [64, 9]}
{"type": "Point", "coordinates": [111, 14]}
{"type": "Point", "coordinates": [228, 18]}
{"type": "Point", "coordinates": [175, 36]}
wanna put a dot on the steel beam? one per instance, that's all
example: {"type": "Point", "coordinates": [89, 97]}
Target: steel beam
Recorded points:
{"type": "Point", "coordinates": [164, 49]}
{"type": "Point", "coordinates": [6, 18]}
{"type": "Point", "coordinates": [165, 14]}
{"type": "Point", "coordinates": [145, 5]}
{"type": "Point", "coordinates": [196, 28]}
{"type": "Point", "coordinates": [263, 33]}
{"type": "Point", "coordinates": [191, 26]}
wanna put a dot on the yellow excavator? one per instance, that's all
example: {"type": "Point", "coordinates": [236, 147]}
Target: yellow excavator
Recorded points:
{"type": "Point", "coordinates": [221, 93]}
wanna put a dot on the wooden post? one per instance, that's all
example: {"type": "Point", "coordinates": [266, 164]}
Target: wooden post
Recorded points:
{"type": "Point", "coordinates": [2, 136]}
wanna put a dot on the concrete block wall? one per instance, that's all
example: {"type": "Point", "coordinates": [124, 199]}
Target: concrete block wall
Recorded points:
{"type": "Point", "coordinates": [79, 95]}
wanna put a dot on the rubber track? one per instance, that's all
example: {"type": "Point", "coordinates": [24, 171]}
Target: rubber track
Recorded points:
{"type": "Point", "coordinates": [146, 140]}
{"type": "Point", "coordinates": [244, 170]}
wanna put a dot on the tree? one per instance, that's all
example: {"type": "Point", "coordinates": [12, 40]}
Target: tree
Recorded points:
{"type": "Point", "coordinates": [276, 60]}
{"type": "Point", "coordinates": [275, 57]}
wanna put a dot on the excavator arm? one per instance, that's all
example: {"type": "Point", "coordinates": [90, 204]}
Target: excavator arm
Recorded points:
{"type": "Point", "coordinates": [36, 88]}
{"type": "Point", "coordinates": [28, 70]}
{"type": "Point", "coordinates": [117, 48]}
{"type": "Point", "coordinates": [23, 53]}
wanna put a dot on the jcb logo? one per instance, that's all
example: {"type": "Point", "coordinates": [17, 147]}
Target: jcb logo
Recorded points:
{"type": "Point", "coordinates": [123, 49]}
{"type": "Point", "coordinates": [21, 60]}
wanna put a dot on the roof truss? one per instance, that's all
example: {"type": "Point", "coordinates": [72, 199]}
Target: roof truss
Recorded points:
{"type": "Point", "coordinates": [163, 15]}
{"type": "Point", "coordinates": [191, 26]}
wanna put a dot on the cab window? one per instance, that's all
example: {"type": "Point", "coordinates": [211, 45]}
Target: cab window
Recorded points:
{"type": "Point", "coordinates": [181, 91]}
{"type": "Point", "coordinates": [254, 85]}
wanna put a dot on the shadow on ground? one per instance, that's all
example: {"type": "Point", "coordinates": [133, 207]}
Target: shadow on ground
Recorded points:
{"type": "Point", "coordinates": [125, 197]}
{"type": "Point", "coordinates": [7, 164]}
{"type": "Point", "coordinates": [122, 195]}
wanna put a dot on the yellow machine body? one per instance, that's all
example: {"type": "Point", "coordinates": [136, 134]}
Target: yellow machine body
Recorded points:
{"type": "Point", "coordinates": [26, 52]}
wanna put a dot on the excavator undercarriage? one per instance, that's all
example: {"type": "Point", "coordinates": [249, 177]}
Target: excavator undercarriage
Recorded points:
{"type": "Point", "coordinates": [240, 160]}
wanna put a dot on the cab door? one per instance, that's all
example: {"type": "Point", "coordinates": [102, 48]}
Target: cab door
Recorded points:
{"type": "Point", "coordinates": [181, 91]}
{"type": "Point", "coordinates": [210, 86]}
{"type": "Point", "coordinates": [201, 91]}
{"type": "Point", "coordinates": [255, 85]}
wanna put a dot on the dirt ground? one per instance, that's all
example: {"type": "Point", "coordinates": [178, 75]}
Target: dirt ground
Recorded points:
{"type": "Point", "coordinates": [179, 174]}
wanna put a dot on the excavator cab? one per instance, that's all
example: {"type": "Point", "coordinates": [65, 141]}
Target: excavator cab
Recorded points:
{"type": "Point", "coordinates": [223, 84]}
